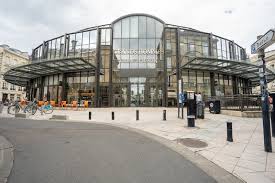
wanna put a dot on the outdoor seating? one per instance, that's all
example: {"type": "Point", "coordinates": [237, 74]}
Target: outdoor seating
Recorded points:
{"type": "Point", "coordinates": [40, 103]}
{"type": "Point", "coordinates": [74, 104]}
{"type": "Point", "coordinates": [63, 103]}
{"type": "Point", "coordinates": [52, 102]}
{"type": "Point", "coordinates": [86, 104]}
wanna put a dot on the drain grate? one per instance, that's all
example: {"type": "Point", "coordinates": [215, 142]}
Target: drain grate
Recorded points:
{"type": "Point", "coordinates": [190, 142]}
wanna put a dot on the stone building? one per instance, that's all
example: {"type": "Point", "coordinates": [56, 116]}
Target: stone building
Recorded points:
{"type": "Point", "coordinates": [9, 58]}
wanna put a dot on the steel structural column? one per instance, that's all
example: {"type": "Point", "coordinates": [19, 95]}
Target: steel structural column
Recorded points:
{"type": "Point", "coordinates": [165, 94]}
{"type": "Point", "coordinates": [212, 84]}
{"type": "Point", "coordinates": [111, 70]}
{"type": "Point", "coordinates": [212, 76]}
{"type": "Point", "coordinates": [265, 105]}
{"type": "Point", "coordinates": [41, 86]}
{"type": "Point", "coordinates": [178, 72]}
{"type": "Point", "coordinates": [97, 72]}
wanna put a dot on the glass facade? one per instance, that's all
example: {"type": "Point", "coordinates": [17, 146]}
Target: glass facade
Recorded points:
{"type": "Point", "coordinates": [138, 60]}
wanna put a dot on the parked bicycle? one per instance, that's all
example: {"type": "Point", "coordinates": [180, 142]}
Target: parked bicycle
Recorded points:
{"type": "Point", "coordinates": [31, 107]}
{"type": "Point", "coordinates": [45, 109]}
{"type": "Point", "coordinates": [15, 107]}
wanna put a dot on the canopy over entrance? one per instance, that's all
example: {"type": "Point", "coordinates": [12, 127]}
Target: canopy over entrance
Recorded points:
{"type": "Point", "coordinates": [241, 69]}
{"type": "Point", "coordinates": [22, 74]}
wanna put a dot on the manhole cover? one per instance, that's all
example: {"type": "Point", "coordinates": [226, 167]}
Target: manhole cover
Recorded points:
{"type": "Point", "coordinates": [189, 142]}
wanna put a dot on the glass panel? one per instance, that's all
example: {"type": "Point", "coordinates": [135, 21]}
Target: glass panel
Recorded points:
{"type": "Point", "coordinates": [125, 28]}
{"type": "Point", "coordinates": [134, 27]}
{"type": "Point", "coordinates": [117, 30]}
{"type": "Point", "coordinates": [159, 29]}
{"type": "Point", "coordinates": [151, 28]}
{"type": "Point", "coordinates": [142, 27]}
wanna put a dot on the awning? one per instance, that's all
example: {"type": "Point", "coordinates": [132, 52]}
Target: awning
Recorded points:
{"type": "Point", "coordinates": [22, 74]}
{"type": "Point", "coordinates": [241, 69]}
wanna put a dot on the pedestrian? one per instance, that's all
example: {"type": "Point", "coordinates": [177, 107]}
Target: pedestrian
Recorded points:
{"type": "Point", "coordinates": [199, 106]}
{"type": "Point", "coordinates": [198, 98]}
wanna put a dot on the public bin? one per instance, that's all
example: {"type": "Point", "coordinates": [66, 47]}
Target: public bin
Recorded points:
{"type": "Point", "coordinates": [215, 106]}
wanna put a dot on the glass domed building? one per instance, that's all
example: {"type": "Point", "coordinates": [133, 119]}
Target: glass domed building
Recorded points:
{"type": "Point", "coordinates": [137, 60]}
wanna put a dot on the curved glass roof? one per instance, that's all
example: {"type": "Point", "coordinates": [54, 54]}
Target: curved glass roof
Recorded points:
{"type": "Point", "coordinates": [77, 51]}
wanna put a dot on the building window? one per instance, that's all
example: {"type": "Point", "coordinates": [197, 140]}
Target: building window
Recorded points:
{"type": "Point", "coordinates": [12, 87]}
{"type": "Point", "coordinates": [4, 85]}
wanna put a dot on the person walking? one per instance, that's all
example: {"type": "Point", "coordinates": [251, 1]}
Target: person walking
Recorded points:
{"type": "Point", "coordinates": [200, 106]}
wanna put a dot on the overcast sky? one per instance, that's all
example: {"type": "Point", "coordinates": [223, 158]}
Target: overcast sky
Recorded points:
{"type": "Point", "coordinates": [24, 24]}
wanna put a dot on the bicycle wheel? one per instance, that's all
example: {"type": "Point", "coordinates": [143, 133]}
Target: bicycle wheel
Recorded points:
{"type": "Point", "coordinates": [11, 109]}
{"type": "Point", "coordinates": [27, 109]}
{"type": "Point", "coordinates": [33, 110]}
{"type": "Point", "coordinates": [49, 111]}
{"type": "Point", "coordinates": [17, 109]}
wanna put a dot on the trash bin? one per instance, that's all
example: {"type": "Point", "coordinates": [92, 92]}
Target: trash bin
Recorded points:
{"type": "Point", "coordinates": [1, 107]}
{"type": "Point", "coordinates": [215, 106]}
{"type": "Point", "coordinates": [200, 110]}
{"type": "Point", "coordinates": [191, 121]}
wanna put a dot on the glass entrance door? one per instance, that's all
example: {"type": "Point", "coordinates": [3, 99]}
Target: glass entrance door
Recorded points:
{"type": "Point", "coordinates": [137, 86]}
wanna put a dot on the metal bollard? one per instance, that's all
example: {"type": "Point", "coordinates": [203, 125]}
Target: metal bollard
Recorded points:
{"type": "Point", "coordinates": [113, 115]}
{"type": "Point", "coordinates": [229, 131]}
{"type": "Point", "coordinates": [137, 115]}
{"type": "Point", "coordinates": [164, 115]}
{"type": "Point", "coordinates": [191, 121]}
{"type": "Point", "coordinates": [90, 115]}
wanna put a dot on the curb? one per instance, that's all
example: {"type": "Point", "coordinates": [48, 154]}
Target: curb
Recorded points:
{"type": "Point", "coordinates": [6, 159]}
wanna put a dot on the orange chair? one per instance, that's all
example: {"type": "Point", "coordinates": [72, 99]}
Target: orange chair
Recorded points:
{"type": "Point", "coordinates": [40, 103]}
{"type": "Point", "coordinates": [63, 103]}
{"type": "Point", "coordinates": [52, 102]}
{"type": "Point", "coordinates": [86, 104]}
{"type": "Point", "coordinates": [74, 104]}
{"type": "Point", "coordinates": [23, 102]}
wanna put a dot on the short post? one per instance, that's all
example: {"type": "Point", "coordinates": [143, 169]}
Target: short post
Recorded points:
{"type": "Point", "coordinates": [229, 131]}
{"type": "Point", "coordinates": [137, 115]}
{"type": "Point", "coordinates": [90, 115]}
{"type": "Point", "coordinates": [191, 121]}
{"type": "Point", "coordinates": [113, 115]}
{"type": "Point", "coordinates": [164, 115]}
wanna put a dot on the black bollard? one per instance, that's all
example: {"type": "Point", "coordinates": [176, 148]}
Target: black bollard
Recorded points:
{"type": "Point", "coordinates": [191, 121]}
{"type": "Point", "coordinates": [113, 115]}
{"type": "Point", "coordinates": [164, 115]}
{"type": "Point", "coordinates": [90, 115]}
{"type": "Point", "coordinates": [229, 131]}
{"type": "Point", "coordinates": [137, 115]}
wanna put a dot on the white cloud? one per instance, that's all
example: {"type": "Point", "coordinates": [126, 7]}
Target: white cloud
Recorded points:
{"type": "Point", "coordinates": [26, 24]}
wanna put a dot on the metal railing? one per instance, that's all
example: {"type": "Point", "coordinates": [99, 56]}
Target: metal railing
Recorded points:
{"type": "Point", "coordinates": [239, 102]}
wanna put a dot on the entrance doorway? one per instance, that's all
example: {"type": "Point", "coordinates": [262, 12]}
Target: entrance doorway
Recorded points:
{"type": "Point", "coordinates": [137, 88]}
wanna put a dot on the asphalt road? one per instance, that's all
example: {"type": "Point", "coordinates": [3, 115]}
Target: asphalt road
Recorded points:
{"type": "Point", "coordinates": [63, 152]}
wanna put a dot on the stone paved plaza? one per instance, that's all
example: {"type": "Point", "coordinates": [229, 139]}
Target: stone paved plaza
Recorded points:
{"type": "Point", "coordinates": [245, 157]}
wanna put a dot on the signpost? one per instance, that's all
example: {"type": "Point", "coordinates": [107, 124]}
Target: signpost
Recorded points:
{"type": "Point", "coordinates": [258, 47]}
{"type": "Point", "coordinates": [264, 42]}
